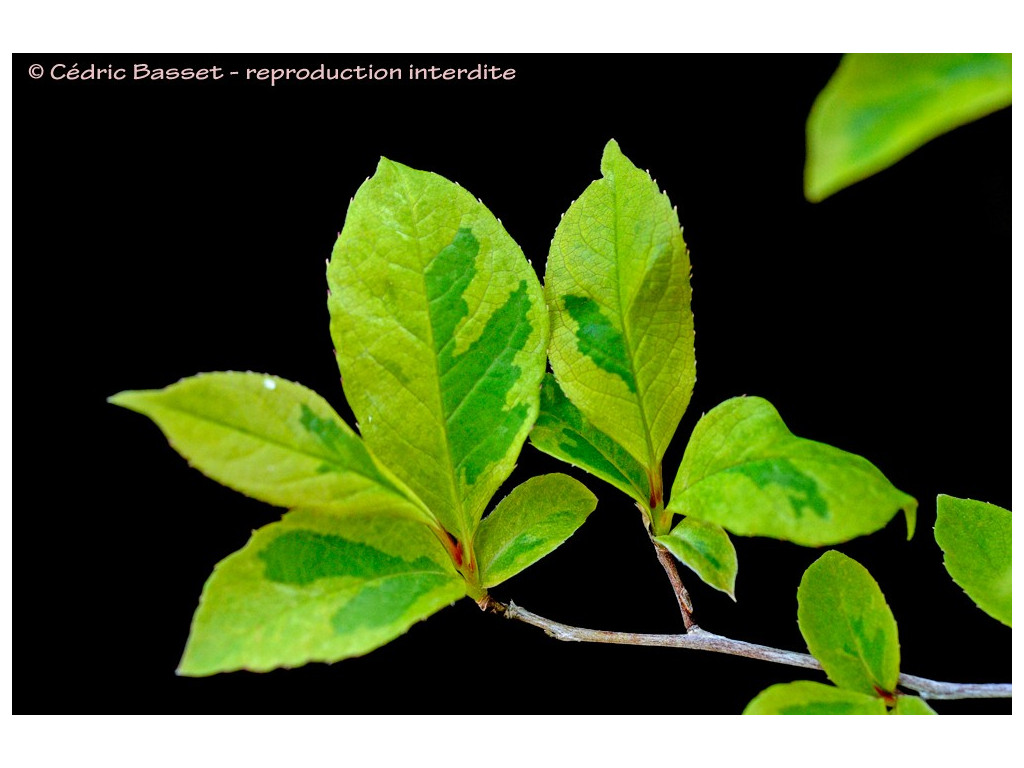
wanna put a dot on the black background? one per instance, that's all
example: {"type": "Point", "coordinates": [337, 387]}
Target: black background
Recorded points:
{"type": "Point", "coordinates": [169, 228]}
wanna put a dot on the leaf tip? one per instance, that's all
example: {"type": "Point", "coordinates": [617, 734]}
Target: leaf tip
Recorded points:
{"type": "Point", "coordinates": [611, 154]}
{"type": "Point", "coordinates": [126, 399]}
{"type": "Point", "coordinates": [910, 513]}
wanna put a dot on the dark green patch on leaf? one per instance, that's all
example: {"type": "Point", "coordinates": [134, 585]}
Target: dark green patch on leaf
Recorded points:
{"type": "Point", "coordinates": [523, 545]}
{"type": "Point", "coordinates": [707, 550]}
{"type": "Point", "coordinates": [302, 557]}
{"type": "Point", "coordinates": [386, 600]}
{"type": "Point", "coordinates": [476, 382]}
{"type": "Point", "coordinates": [598, 339]}
{"type": "Point", "coordinates": [781, 472]}
{"type": "Point", "coordinates": [533, 520]}
{"type": "Point", "coordinates": [562, 431]}
{"type": "Point", "coordinates": [848, 626]}
{"type": "Point", "coordinates": [745, 471]}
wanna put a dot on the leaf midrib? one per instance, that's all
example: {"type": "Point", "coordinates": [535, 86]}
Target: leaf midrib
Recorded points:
{"type": "Point", "coordinates": [456, 497]}
{"type": "Point", "coordinates": [326, 458]}
{"type": "Point", "coordinates": [862, 656]}
{"type": "Point", "coordinates": [652, 460]}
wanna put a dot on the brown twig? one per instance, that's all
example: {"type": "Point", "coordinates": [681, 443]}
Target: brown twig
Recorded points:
{"type": "Point", "coordinates": [682, 596]}
{"type": "Point", "coordinates": [698, 639]}
{"type": "Point", "coordinates": [665, 558]}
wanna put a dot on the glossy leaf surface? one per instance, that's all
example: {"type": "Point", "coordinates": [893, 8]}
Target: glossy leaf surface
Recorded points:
{"type": "Point", "coordinates": [744, 470]}
{"type": "Point", "coordinates": [975, 538]}
{"type": "Point", "coordinates": [878, 108]}
{"type": "Point", "coordinates": [563, 432]}
{"type": "Point", "coordinates": [806, 697]}
{"type": "Point", "coordinates": [273, 440]}
{"type": "Point", "coordinates": [530, 522]}
{"type": "Point", "coordinates": [617, 285]}
{"type": "Point", "coordinates": [707, 550]}
{"type": "Point", "coordinates": [848, 626]}
{"type": "Point", "coordinates": [318, 587]}
{"type": "Point", "coordinates": [440, 329]}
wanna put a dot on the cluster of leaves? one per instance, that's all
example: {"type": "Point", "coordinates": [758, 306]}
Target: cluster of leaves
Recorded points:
{"type": "Point", "coordinates": [617, 286]}
{"type": "Point", "coordinates": [442, 332]}
{"type": "Point", "coordinates": [441, 335]}
{"type": "Point", "coordinates": [850, 630]}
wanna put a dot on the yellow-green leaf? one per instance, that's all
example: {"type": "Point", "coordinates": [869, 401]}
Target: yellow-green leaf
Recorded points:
{"type": "Point", "coordinates": [880, 107]}
{"type": "Point", "coordinates": [805, 697]}
{"type": "Point", "coordinates": [707, 550]}
{"type": "Point", "coordinates": [529, 523]}
{"type": "Point", "coordinates": [975, 538]}
{"type": "Point", "coordinates": [273, 440]}
{"type": "Point", "coordinates": [744, 470]}
{"type": "Point", "coordinates": [912, 705]}
{"type": "Point", "coordinates": [618, 288]}
{"type": "Point", "coordinates": [441, 330]}
{"type": "Point", "coordinates": [848, 626]}
{"type": "Point", "coordinates": [318, 587]}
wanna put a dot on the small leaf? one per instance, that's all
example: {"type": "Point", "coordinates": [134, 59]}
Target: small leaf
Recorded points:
{"type": "Point", "coordinates": [805, 697]}
{"type": "Point", "coordinates": [707, 550]}
{"type": "Point", "coordinates": [318, 587]}
{"type": "Point", "coordinates": [271, 439]}
{"type": "Point", "coordinates": [441, 332]}
{"type": "Point", "coordinates": [912, 705]}
{"type": "Point", "coordinates": [532, 521]}
{"type": "Point", "coordinates": [563, 432]}
{"type": "Point", "coordinates": [744, 470]}
{"type": "Point", "coordinates": [848, 626]}
{"type": "Point", "coordinates": [618, 289]}
{"type": "Point", "coordinates": [975, 538]}
{"type": "Point", "coordinates": [880, 107]}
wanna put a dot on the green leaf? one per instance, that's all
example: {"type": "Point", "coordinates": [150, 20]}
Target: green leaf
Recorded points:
{"type": "Point", "coordinates": [912, 705]}
{"type": "Point", "coordinates": [707, 550]}
{"type": "Point", "coordinates": [744, 470]}
{"type": "Point", "coordinates": [441, 330]}
{"type": "Point", "coordinates": [618, 288]}
{"type": "Point", "coordinates": [563, 432]}
{"type": "Point", "coordinates": [529, 523]}
{"type": "Point", "coordinates": [273, 440]}
{"type": "Point", "coordinates": [848, 626]}
{"type": "Point", "coordinates": [975, 538]}
{"type": "Point", "coordinates": [809, 698]}
{"type": "Point", "coordinates": [318, 587]}
{"type": "Point", "coordinates": [880, 107]}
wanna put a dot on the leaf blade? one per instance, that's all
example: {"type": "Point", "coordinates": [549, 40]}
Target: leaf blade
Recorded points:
{"type": "Point", "coordinates": [441, 331]}
{"type": "Point", "coordinates": [912, 705]}
{"type": "Point", "coordinates": [617, 285]}
{"type": "Point", "coordinates": [271, 439]}
{"type": "Point", "coordinates": [318, 587]}
{"type": "Point", "coordinates": [531, 522]}
{"type": "Point", "coordinates": [806, 697]}
{"type": "Point", "coordinates": [848, 626]}
{"type": "Point", "coordinates": [707, 550]}
{"type": "Point", "coordinates": [563, 432]}
{"type": "Point", "coordinates": [878, 108]}
{"type": "Point", "coordinates": [744, 470]}
{"type": "Point", "coordinates": [975, 538]}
